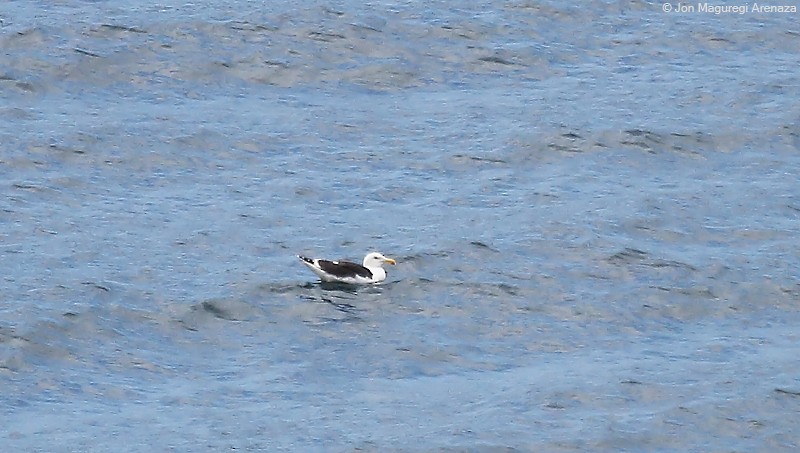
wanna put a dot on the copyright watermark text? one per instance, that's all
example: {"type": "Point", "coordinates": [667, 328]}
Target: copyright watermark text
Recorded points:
{"type": "Point", "coordinates": [742, 8]}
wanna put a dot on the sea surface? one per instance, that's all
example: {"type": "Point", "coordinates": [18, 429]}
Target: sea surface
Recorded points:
{"type": "Point", "coordinates": [595, 210]}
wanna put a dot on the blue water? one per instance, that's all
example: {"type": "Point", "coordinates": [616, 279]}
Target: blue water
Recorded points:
{"type": "Point", "coordinates": [594, 211]}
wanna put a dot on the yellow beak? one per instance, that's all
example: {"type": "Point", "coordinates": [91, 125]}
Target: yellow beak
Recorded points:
{"type": "Point", "coordinates": [390, 261]}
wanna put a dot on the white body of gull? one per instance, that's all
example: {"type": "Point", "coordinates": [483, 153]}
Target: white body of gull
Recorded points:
{"type": "Point", "coordinates": [371, 271]}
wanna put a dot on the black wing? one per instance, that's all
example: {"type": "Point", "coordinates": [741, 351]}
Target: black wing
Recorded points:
{"type": "Point", "coordinates": [344, 269]}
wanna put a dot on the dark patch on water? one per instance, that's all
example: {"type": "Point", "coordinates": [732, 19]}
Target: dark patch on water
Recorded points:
{"type": "Point", "coordinates": [627, 256]}
{"type": "Point", "coordinates": [482, 245]}
{"type": "Point", "coordinates": [787, 392]}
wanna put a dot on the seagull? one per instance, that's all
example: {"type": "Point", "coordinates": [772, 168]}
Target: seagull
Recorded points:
{"type": "Point", "coordinates": [371, 271]}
